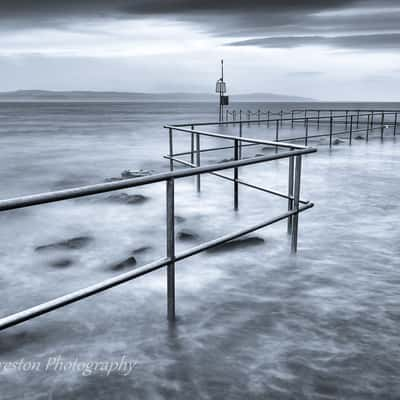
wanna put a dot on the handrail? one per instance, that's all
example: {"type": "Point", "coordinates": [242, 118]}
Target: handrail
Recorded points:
{"type": "Point", "coordinates": [240, 138]}
{"type": "Point", "coordinates": [295, 207]}
{"type": "Point", "coordinates": [67, 194]}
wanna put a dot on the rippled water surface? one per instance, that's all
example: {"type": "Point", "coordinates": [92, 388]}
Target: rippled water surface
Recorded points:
{"type": "Point", "coordinates": [253, 322]}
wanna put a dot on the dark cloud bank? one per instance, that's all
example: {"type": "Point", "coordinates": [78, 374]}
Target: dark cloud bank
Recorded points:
{"type": "Point", "coordinates": [272, 24]}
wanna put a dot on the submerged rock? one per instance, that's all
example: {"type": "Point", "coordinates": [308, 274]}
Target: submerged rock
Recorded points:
{"type": "Point", "coordinates": [128, 174]}
{"type": "Point", "coordinates": [69, 244]}
{"type": "Point", "coordinates": [62, 263]}
{"type": "Point", "coordinates": [359, 137]}
{"type": "Point", "coordinates": [125, 264]}
{"type": "Point", "coordinates": [186, 235]}
{"type": "Point", "coordinates": [237, 244]}
{"type": "Point", "coordinates": [337, 141]}
{"type": "Point", "coordinates": [179, 219]}
{"type": "Point", "coordinates": [126, 198]}
{"type": "Point", "coordinates": [141, 250]}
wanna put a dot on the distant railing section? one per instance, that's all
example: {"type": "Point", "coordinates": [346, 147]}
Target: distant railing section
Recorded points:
{"type": "Point", "coordinates": [351, 122]}
{"type": "Point", "coordinates": [295, 205]}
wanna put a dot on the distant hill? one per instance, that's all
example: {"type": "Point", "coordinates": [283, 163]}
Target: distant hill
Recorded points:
{"type": "Point", "coordinates": [44, 95]}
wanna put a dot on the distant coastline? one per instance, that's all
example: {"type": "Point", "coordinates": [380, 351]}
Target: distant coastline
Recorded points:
{"type": "Point", "coordinates": [94, 96]}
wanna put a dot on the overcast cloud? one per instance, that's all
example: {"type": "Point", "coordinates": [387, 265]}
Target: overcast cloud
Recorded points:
{"type": "Point", "coordinates": [310, 48]}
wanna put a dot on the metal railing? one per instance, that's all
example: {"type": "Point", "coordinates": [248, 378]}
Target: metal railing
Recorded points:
{"type": "Point", "coordinates": [295, 207]}
{"type": "Point", "coordinates": [350, 121]}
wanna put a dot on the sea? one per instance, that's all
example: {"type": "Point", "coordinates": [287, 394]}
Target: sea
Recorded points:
{"type": "Point", "coordinates": [253, 320]}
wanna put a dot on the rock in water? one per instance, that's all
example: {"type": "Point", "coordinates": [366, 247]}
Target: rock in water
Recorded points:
{"type": "Point", "coordinates": [69, 244]}
{"type": "Point", "coordinates": [359, 137]}
{"type": "Point", "coordinates": [62, 263]}
{"type": "Point", "coordinates": [186, 235]}
{"type": "Point", "coordinates": [128, 198]}
{"type": "Point", "coordinates": [125, 264]}
{"type": "Point", "coordinates": [127, 174]}
{"type": "Point", "coordinates": [238, 244]}
{"type": "Point", "coordinates": [179, 219]}
{"type": "Point", "coordinates": [141, 250]}
{"type": "Point", "coordinates": [338, 141]}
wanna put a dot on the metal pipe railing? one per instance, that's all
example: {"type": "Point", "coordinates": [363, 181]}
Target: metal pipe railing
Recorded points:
{"type": "Point", "coordinates": [171, 256]}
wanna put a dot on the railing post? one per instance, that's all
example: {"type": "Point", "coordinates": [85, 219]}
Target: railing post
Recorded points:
{"type": "Point", "coordinates": [240, 135]}
{"type": "Point", "coordinates": [347, 119]}
{"type": "Point", "coordinates": [351, 130]}
{"type": "Point", "coordinates": [372, 120]}
{"type": "Point", "coordinates": [358, 118]}
{"type": "Point", "coordinates": [382, 124]}
{"type": "Point", "coordinates": [368, 125]}
{"type": "Point", "coordinates": [281, 117]}
{"type": "Point", "coordinates": [171, 150]}
{"type": "Point", "coordinates": [198, 160]}
{"type": "Point", "coordinates": [290, 194]}
{"type": "Point", "coordinates": [330, 130]}
{"type": "Point", "coordinates": [306, 137]}
{"type": "Point", "coordinates": [305, 116]}
{"type": "Point", "coordinates": [259, 116]}
{"type": "Point", "coordinates": [395, 124]}
{"type": "Point", "coordinates": [236, 177]}
{"type": "Point", "coordinates": [269, 114]}
{"type": "Point", "coordinates": [296, 200]}
{"type": "Point", "coordinates": [171, 249]}
{"type": "Point", "coordinates": [240, 114]}
{"type": "Point", "coordinates": [319, 114]}
{"type": "Point", "coordinates": [277, 135]}
{"type": "Point", "coordinates": [192, 146]}
{"type": "Point", "coordinates": [227, 116]}
{"type": "Point", "coordinates": [292, 119]}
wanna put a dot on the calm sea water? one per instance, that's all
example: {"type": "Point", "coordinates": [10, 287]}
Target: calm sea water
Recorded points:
{"type": "Point", "coordinates": [254, 322]}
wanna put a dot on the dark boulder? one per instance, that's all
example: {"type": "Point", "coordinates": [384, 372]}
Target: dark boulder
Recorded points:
{"type": "Point", "coordinates": [186, 235]}
{"type": "Point", "coordinates": [238, 244]}
{"type": "Point", "coordinates": [141, 250]}
{"type": "Point", "coordinates": [337, 141]}
{"type": "Point", "coordinates": [125, 264]}
{"type": "Point", "coordinates": [359, 137]}
{"type": "Point", "coordinates": [126, 198]}
{"type": "Point", "coordinates": [61, 263]}
{"type": "Point", "coordinates": [69, 244]}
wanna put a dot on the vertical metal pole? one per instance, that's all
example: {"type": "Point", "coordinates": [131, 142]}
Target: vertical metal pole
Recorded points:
{"type": "Point", "coordinates": [319, 113]}
{"type": "Point", "coordinates": [240, 115]}
{"type": "Point", "coordinates": [240, 144]}
{"type": "Point", "coordinates": [330, 131]}
{"type": "Point", "coordinates": [292, 118]}
{"type": "Point", "coordinates": [171, 250]}
{"type": "Point", "coordinates": [347, 118]}
{"type": "Point", "coordinates": [305, 116]}
{"type": "Point", "coordinates": [198, 160]}
{"type": "Point", "coordinates": [395, 124]}
{"type": "Point", "coordinates": [236, 177]}
{"type": "Point", "coordinates": [290, 194]}
{"type": "Point", "coordinates": [277, 135]}
{"type": "Point", "coordinates": [296, 199]}
{"type": "Point", "coordinates": [382, 124]}
{"type": "Point", "coordinates": [368, 125]}
{"type": "Point", "coordinates": [351, 130]}
{"type": "Point", "coordinates": [259, 116]}
{"type": "Point", "coordinates": [171, 150]}
{"type": "Point", "coordinates": [306, 137]}
{"type": "Point", "coordinates": [269, 114]}
{"type": "Point", "coordinates": [192, 146]}
{"type": "Point", "coordinates": [358, 118]}
{"type": "Point", "coordinates": [227, 116]}
{"type": "Point", "coordinates": [372, 120]}
{"type": "Point", "coordinates": [281, 117]}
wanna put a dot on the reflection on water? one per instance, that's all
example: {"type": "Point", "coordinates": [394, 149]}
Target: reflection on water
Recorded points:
{"type": "Point", "coordinates": [253, 322]}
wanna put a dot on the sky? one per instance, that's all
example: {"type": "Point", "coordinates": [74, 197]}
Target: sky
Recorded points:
{"type": "Point", "coordinates": [334, 50]}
